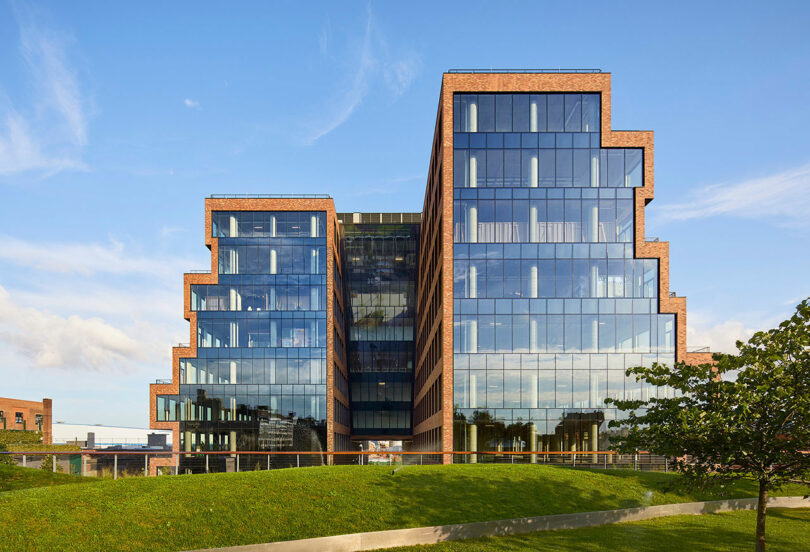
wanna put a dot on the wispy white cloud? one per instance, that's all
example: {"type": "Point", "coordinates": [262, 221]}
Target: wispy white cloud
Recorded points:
{"type": "Point", "coordinates": [51, 133]}
{"type": "Point", "coordinates": [20, 150]}
{"type": "Point", "coordinates": [785, 195]}
{"type": "Point", "coordinates": [191, 104]}
{"type": "Point", "coordinates": [400, 74]}
{"type": "Point", "coordinates": [88, 259]}
{"type": "Point", "coordinates": [372, 62]}
{"type": "Point", "coordinates": [347, 102]}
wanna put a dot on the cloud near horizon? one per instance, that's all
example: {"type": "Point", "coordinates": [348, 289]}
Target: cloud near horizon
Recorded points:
{"type": "Point", "coordinates": [53, 341]}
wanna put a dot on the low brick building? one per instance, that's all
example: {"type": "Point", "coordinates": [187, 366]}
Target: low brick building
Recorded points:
{"type": "Point", "coordinates": [19, 415]}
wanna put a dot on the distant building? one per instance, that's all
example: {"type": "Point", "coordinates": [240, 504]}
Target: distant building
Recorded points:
{"type": "Point", "coordinates": [19, 415]}
{"type": "Point", "coordinates": [104, 436]}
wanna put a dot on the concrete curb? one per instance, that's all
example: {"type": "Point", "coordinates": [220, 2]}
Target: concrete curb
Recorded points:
{"type": "Point", "coordinates": [431, 535]}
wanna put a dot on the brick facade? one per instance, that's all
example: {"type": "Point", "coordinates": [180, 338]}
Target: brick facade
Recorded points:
{"type": "Point", "coordinates": [29, 411]}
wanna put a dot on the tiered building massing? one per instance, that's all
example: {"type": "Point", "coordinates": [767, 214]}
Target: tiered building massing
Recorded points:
{"type": "Point", "coordinates": [498, 319]}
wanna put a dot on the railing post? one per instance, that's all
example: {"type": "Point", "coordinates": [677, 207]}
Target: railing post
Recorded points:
{"type": "Point", "coordinates": [268, 462]}
{"type": "Point", "coordinates": [666, 464]}
{"type": "Point", "coordinates": [574, 459]}
{"type": "Point", "coordinates": [297, 460]}
{"type": "Point", "coordinates": [606, 461]}
{"type": "Point", "coordinates": [24, 464]}
{"type": "Point", "coordinates": [115, 466]}
{"type": "Point", "coordinates": [237, 463]}
{"type": "Point", "coordinates": [54, 462]}
{"type": "Point", "coordinates": [177, 464]}
{"type": "Point", "coordinates": [206, 463]}
{"type": "Point", "coordinates": [420, 459]}
{"type": "Point", "coordinates": [146, 465]}
{"type": "Point", "coordinates": [635, 462]}
{"type": "Point", "coordinates": [84, 465]}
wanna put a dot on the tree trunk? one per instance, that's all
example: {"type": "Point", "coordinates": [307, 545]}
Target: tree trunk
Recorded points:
{"type": "Point", "coordinates": [762, 506]}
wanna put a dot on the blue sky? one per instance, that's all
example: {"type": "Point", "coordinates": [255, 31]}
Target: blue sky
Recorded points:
{"type": "Point", "coordinates": [117, 119]}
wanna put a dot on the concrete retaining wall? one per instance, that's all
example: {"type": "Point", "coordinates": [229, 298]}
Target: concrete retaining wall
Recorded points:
{"type": "Point", "coordinates": [431, 535]}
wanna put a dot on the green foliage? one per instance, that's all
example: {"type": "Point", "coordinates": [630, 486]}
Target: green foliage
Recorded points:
{"type": "Point", "coordinates": [726, 532]}
{"type": "Point", "coordinates": [16, 437]}
{"type": "Point", "coordinates": [39, 447]}
{"type": "Point", "coordinates": [747, 416]}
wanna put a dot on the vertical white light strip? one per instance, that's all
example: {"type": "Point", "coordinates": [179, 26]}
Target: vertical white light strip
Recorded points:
{"type": "Point", "coordinates": [472, 225]}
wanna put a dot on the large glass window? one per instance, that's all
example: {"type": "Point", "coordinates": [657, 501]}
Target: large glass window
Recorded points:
{"type": "Point", "coordinates": [550, 304]}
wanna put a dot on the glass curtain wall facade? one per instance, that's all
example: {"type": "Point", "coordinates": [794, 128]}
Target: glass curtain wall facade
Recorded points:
{"type": "Point", "coordinates": [550, 306]}
{"type": "Point", "coordinates": [258, 381]}
{"type": "Point", "coordinates": [380, 263]}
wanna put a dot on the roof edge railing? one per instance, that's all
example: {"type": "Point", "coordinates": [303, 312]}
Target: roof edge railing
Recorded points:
{"type": "Point", "coordinates": [270, 196]}
{"type": "Point", "coordinates": [560, 70]}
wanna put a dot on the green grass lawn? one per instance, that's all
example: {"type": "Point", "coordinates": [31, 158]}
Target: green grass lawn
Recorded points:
{"type": "Point", "coordinates": [13, 478]}
{"type": "Point", "coordinates": [786, 530]}
{"type": "Point", "coordinates": [198, 511]}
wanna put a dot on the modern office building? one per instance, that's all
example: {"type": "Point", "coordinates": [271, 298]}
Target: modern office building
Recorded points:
{"type": "Point", "coordinates": [497, 319]}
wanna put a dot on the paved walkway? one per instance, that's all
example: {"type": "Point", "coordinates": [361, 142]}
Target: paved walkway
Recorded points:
{"type": "Point", "coordinates": [431, 535]}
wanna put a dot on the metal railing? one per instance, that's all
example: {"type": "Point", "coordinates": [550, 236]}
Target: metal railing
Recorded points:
{"type": "Point", "coordinates": [198, 271]}
{"type": "Point", "coordinates": [699, 349]}
{"type": "Point", "coordinates": [129, 463]}
{"type": "Point", "coordinates": [270, 196]}
{"type": "Point", "coordinates": [163, 382]}
{"type": "Point", "coordinates": [559, 70]}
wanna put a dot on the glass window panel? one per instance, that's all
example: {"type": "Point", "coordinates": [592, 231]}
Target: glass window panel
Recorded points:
{"type": "Point", "coordinates": [538, 113]}
{"type": "Point", "coordinates": [556, 333]}
{"type": "Point", "coordinates": [494, 168]}
{"type": "Point", "coordinates": [511, 168]}
{"type": "Point", "coordinates": [503, 113]}
{"type": "Point", "coordinates": [547, 168]}
{"type": "Point", "coordinates": [582, 168]}
{"type": "Point", "coordinates": [521, 112]}
{"type": "Point", "coordinates": [590, 112]}
{"type": "Point", "coordinates": [615, 168]}
{"type": "Point", "coordinates": [494, 389]}
{"type": "Point", "coordinates": [633, 168]}
{"type": "Point", "coordinates": [511, 389]}
{"type": "Point", "coordinates": [564, 388]}
{"type": "Point", "coordinates": [486, 113]}
{"type": "Point", "coordinates": [564, 168]}
{"type": "Point", "coordinates": [573, 112]}
{"type": "Point", "coordinates": [556, 113]}
{"type": "Point", "coordinates": [546, 383]}
{"type": "Point", "coordinates": [461, 168]}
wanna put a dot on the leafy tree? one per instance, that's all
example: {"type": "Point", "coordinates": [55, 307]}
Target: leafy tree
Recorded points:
{"type": "Point", "coordinates": [747, 415]}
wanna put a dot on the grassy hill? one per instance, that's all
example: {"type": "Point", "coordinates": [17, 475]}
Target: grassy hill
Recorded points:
{"type": "Point", "coordinates": [13, 478]}
{"type": "Point", "coordinates": [786, 531]}
{"type": "Point", "coordinates": [198, 511]}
